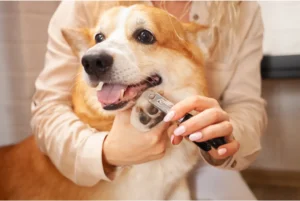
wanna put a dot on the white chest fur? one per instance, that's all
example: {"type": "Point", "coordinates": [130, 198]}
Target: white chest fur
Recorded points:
{"type": "Point", "coordinates": [160, 179]}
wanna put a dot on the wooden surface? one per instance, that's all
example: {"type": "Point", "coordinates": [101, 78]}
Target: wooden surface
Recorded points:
{"type": "Point", "coordinates": [273, 185]}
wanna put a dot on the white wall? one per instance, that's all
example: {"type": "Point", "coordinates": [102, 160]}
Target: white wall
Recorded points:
{"type": "Point", "coordinates": [282, 27]}
{"type": "Point", "coordinates": [23, 39]}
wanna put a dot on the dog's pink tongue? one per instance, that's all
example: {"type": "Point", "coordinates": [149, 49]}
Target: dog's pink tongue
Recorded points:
{"type": "Point", "coordinates": [110, 93]}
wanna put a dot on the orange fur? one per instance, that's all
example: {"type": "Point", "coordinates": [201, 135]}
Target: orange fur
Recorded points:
{"type": "Point", "coordinates": [84, 111]}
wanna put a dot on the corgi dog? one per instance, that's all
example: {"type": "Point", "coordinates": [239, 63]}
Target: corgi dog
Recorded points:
{"type": "Point", "coordinates": [133, 49]}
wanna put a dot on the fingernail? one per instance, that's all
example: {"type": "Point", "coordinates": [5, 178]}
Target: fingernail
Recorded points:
{"type": "Point", "coordinates": [180, 130]}
{"type": "Point", "coordinates": [169, 116]}
{"type": "Point", "coordinates": [172, 139]}
{"type": "Point", "coordinates": [222, 151]}
{"type": "Point", "coordinates": [195, 136]}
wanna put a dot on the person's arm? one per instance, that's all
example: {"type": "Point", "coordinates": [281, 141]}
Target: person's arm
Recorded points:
{"type": "Point", "coordinates": [243, 103]}
{"type": "Point", "coordinates": [240, 116]}
{"type": "Point", "coordinates": [73, 147]}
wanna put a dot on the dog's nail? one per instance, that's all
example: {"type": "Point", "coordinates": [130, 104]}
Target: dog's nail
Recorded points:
{"type": "Point", "coordinates": [144, 119]}
{"type": "Point", "coordinates": [195, 136]}
{"type": "Point", "coordinates": [169, 116]}
{"type": "Point", "coordinates": [172, 139]}
{"type": "Point", "coordinates": [222, 151]}
{"type": "Point", "coordinates": [179, 131]}
{"type": "Point", "coordinates": [152, 110]}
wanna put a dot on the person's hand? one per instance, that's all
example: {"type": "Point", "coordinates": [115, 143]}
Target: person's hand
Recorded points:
{"type": "Point", "coordinates": [209, 123]}
{"type": "Point", "coordinates": [125, 145]}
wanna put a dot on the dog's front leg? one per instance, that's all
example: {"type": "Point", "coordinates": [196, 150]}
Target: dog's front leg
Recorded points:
{"type": "Point", "coordinates": [145, 116]}
{"type": "Point", "coordinates": [180, 191]}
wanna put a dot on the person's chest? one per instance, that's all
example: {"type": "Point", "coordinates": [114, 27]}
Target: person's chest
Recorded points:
{"type": "Point", "coordinates": [220, 66]}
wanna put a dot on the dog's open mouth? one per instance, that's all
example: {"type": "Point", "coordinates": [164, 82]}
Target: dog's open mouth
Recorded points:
{"type": "Point", "coordinates": [116, 96]}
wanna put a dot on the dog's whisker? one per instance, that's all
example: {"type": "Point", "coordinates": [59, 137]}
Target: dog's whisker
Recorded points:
{"type": "Point", "coordinates": [150, 83]}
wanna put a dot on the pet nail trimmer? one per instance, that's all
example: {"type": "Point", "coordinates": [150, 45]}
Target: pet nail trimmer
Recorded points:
{"type": "Point", "coordinates": [164, 105]}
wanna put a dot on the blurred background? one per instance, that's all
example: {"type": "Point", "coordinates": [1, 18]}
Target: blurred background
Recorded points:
{"type": "Point", "coordinates": [275, 174]}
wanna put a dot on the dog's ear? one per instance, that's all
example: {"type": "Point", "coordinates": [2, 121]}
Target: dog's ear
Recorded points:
{"type": "Point", "coordinates": [199, 34]}
{"type": "Point", "coordinates": [79, 39]}
{"type": "Point", "coordinates": [194, 28]}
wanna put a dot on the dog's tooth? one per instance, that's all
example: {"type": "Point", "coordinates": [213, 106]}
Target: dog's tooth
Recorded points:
{"type": "Point", "coordinates": [122, 93]}
{"type": "Point", "coordinates": [100, 85]}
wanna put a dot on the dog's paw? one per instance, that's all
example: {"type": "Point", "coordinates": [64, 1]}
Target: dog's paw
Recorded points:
{"type": "Point", "coordinates": [145, 116]}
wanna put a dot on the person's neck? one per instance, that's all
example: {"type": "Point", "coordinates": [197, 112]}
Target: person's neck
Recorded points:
{"type": "Point", "coordinates": [180, 9]}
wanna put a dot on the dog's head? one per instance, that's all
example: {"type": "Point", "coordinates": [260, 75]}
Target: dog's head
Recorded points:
{"type": "Point", "coordinates": [136, 48]}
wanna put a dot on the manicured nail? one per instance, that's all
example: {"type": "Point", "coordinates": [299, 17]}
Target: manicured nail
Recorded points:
{"type": "Point", "coordinates": [195, 136]}
{"type": "Point", "coordinates": [179, 131]}
{"type": "Point", "coordinates": [169, 116]}
{"type": "Point", "coordinates": [222, 151]}
{"type": "Point", "coordinates": [172, 139]}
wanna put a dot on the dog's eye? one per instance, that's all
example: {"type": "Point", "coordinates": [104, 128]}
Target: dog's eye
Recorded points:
{"type": "Point", "coordinates": [144, 36]}
{"type": "Point", "coordinates": [99, 37]}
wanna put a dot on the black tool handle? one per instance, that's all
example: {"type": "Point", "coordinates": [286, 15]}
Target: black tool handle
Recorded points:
{"type": "Point", "coordinates": [206, 146]}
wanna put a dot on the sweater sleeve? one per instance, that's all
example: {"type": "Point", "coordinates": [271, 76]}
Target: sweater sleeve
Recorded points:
{"type": "Point", "coordinates": [242, 100]}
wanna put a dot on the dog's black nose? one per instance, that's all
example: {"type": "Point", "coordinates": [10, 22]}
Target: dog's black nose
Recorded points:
{"type": "Point", "coordinates": [97, 63]}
